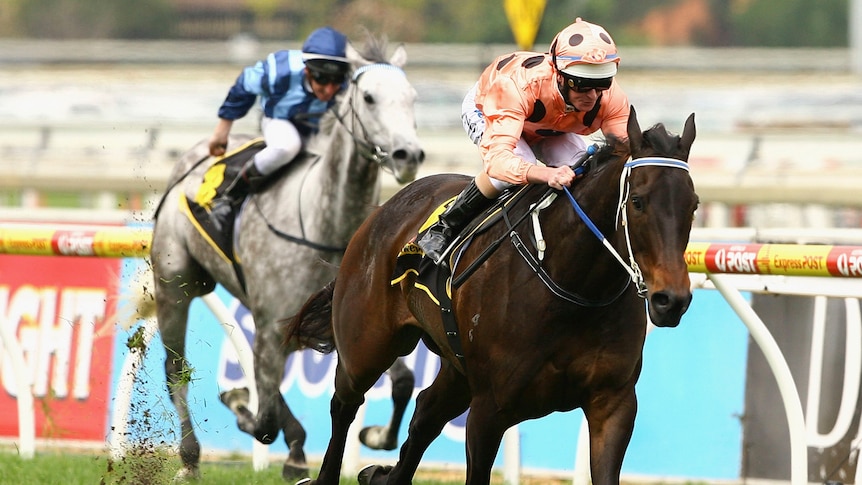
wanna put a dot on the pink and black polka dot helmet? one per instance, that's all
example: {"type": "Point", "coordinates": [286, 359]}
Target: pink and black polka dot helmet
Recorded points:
{"type": "Point", "coordinates": [585, 50]}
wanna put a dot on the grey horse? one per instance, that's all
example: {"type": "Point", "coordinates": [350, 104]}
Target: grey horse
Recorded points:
{"type": "Point", "coordinates": [289, 239]}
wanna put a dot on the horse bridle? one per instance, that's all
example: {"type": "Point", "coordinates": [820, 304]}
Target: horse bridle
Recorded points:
{"type": "Point", "coordinates": [621, 217]}
{"type": "Point", "coordinates": [364, 147]}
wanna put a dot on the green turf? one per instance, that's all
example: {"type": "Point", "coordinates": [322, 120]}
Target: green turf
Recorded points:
{"type": "Point", "coordinates": [137, 468]}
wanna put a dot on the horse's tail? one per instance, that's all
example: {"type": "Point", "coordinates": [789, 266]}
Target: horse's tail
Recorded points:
{"type": "Point", "coordinates": [312, 326]}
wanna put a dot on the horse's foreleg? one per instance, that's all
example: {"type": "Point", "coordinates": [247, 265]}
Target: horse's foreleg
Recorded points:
{"type": "Point", "coordinates": [610, 426]}
{"type": "Point", "coordinates": [444, 400]}
{"type": "Point", "coordinates": [386, 437]}
{"type": "Point", "coordinates": [295, 465]}
{"type": "Point", "coordinates": [484, 433]}
{"type": "Point", "coordinates": [237, 401]}
{"type": "Point", "coordinates": [273, 413]}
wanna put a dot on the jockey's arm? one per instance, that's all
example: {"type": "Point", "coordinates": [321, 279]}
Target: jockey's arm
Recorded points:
{"type": "Point", "coordinates": [218, 140]}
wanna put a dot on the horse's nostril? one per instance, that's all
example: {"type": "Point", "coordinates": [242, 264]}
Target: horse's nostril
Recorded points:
{"type": "Point", "coordinates": [663, 301]}
{"type": "Point", "coordinates": [405, 154]}
{"type": "Point", "coordinates": [660, 300]}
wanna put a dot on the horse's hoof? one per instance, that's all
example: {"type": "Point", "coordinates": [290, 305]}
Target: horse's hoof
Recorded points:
{"type": "Point", "coordinates": [187, 474]}
{"type": "Point", "coordinates": [266, 438]}
{"type": "Point", "coordinates": [375, 437]}
{"type": "Point", "coordinates": [235, 398]}
{"type": "Point", "coordinates": [294, 472]}
{"type": "Point", "coordinates": [369, 473]}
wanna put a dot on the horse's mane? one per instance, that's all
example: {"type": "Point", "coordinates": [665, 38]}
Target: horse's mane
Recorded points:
{"type": "Point", "coordinates": [615, 148]}
{"type": "Point", "coordinates": [375, 48]}
{"type": "Point", "coordinates": [658, 137]}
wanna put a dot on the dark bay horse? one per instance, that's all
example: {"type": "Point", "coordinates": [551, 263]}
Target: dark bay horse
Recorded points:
{"type": "Point", "coordinates": [289, 240]}
{"type": "Point", "coordinates": [536, 335]}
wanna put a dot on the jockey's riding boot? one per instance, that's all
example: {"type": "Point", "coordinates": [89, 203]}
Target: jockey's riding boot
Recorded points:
{"type": "Point", "coordinates": [246, 181]}
{"type": "Point", "coordinates": [469, 203]}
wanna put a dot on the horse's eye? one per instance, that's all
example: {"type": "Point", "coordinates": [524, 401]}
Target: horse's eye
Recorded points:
{"type": "Point", "coordinates": [369, 99]}
{"type": "Point", "coordinates": [637, 202]}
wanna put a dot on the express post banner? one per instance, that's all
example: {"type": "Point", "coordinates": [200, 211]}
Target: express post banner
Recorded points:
{"type": "Point", "coordinates": [775, 259]}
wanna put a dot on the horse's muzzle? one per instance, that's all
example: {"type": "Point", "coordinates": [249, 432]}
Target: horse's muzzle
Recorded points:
{"type": "Point", "coordinates": [666, 308]}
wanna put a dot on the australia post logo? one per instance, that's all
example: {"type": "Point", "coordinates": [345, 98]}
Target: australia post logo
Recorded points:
{"type": "Point", "coordinates": [733, 258]}
{"type": "Point", "coordinates": [845, 261]}
{"type": "Point", "coordinates": [74, 243]}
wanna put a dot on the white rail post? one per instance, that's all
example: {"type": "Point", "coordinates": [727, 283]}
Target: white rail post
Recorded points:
{"type": "Point", "coordinates": [786, 385]}
{"type": "Point", "coordinates": [123, 395]}
{"type": "Point", "coordinates": [26, 416]}
{"type": "Point", "coordinates": [512, 456]}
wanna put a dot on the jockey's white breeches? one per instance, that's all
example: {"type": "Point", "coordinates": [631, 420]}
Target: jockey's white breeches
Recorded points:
{"type": "Point", "coordinates": [283, 143]}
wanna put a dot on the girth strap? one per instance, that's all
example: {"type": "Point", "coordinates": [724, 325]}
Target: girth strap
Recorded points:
{"type": "Point", "coordinates": [450, 326]}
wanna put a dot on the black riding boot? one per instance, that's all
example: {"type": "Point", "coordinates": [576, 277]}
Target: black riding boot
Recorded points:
{"type": "Point", "coordinates": [245, 181]}
{"type": "Point", "coordinates": [469, 203]}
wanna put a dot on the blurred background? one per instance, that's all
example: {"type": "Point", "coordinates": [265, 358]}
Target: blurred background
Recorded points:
{"type": "Point", "coordinates": [98, 98]}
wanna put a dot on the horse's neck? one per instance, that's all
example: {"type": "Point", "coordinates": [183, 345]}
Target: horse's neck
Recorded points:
{"type": "Point", "coordinates": [348, 162]}
{"type": "Point", "coordinates": [338, 185]}
{"type": "Point", "coordinates": [345, 163]}
{"type": "Point", "coordinates": [575, 244]}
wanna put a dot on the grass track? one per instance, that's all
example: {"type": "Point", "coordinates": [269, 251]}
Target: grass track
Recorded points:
{"type": "Point", "coordinates": [155, 468]}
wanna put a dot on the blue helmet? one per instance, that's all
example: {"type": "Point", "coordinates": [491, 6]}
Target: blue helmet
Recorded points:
{"type": "Point", "coordinates": [325, 51]}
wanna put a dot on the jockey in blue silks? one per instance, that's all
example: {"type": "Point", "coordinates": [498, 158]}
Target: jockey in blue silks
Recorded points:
{"type": "Point", "coordinates": [291, 85]}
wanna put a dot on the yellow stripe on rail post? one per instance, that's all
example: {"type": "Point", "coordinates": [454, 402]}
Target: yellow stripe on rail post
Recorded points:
{"type": "Point", "coordinates": [104, 242]}
{"type": "Point", "coordinates": [775, 259]}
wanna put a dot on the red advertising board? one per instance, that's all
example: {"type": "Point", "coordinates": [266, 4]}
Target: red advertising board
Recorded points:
{"type": "Point", "coordinates": [60, 309]}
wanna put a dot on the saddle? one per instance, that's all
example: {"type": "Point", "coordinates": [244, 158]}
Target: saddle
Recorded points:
{"type": "Point", "coordinates": [437, 280]}
{"type": "Point", "coordinates": [411, 257]}
{"type": "Point", "coordinates": [213, 186]}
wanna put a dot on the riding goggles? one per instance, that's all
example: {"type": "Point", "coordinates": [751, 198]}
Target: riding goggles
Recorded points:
{"type": "Point", "coordinates": [327, 78]}
{"type": "Point", "coordinates": [585, 85]}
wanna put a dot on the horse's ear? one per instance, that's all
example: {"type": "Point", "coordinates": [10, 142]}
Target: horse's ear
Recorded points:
{"type": "Point", "coordinates": [688, 134]}
{"type": "Point", "coordinates": [355, 57]}
{"type": "Point", "coordinates": [399, 57]}
{"type": "Point", "coordinates": [636, 136]}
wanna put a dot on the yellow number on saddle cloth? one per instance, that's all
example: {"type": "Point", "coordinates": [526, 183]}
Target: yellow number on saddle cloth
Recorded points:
{"type": "Point", "coordinates": [213, 179]}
